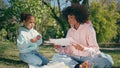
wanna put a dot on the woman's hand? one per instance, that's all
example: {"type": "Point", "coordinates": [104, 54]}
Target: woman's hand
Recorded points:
{"type": "Point", "coordinates": [69, 50]}
{"type": "Point", "coordinates": [78, 46]}
{"type": "Point", "coordinates": [57, 46]}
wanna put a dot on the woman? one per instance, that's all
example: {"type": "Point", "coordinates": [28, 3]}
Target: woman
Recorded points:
{"type": "Point", "coordinates": [84, 49]}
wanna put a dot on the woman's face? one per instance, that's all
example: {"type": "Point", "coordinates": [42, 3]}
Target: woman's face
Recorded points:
{"type": "Point", "coordinates": [71, 19]}
{"type": "Point", "coordinates": [29, 24]}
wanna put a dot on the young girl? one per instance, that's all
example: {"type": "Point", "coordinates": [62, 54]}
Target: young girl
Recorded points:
{"type": "Point", "coordinates": [28, 42]}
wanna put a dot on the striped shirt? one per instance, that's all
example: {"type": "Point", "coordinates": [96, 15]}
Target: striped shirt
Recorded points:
{"type": "Point", "coordinates": [84, 35]}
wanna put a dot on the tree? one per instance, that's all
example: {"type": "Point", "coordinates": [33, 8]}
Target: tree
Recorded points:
{"type": "Point", "coordinates": [16, 7]}
{"type": "Point", "coordinates": [57, 16]}
{"type": "Point", "coordinates": [117, 39]}
{"type": "Point", "coordinates": [2, 4]}
{"type": "Point", "coordinates": [3, 7]}
{"type": "Point", "coordinates": [104, 18]}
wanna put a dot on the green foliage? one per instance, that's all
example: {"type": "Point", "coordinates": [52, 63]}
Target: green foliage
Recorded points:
{"type": "Point", "coordinates": [53, 32]}
{"type": "Point", "coordinates": [3, 34]}
{"type": "Point", "coordinates": [44, 22]}
{"type": "Point", "coordinates": [31, 6]}
{"type": "Point", "coordinates": [11, 18]}
{"type": "Point", "coordinates": [104, 18]}
{"type": "Point", "coordinates": [117, 39]}
{"type": "Point", "coordinates": [37, 8]}
{"type": "Point", "coordinates": [2, 4]}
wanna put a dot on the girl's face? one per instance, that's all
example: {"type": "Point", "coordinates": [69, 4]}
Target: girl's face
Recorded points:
{"type": "Point", "coordinates": [29, 24]}
{"type": "Point", "coordinates": [72, 21]}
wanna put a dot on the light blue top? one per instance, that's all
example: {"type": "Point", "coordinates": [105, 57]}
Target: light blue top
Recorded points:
{"type": "Point", "coordinates": [23, 41]}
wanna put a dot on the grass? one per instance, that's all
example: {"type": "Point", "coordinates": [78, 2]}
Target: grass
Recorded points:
{"type": "Point", "coordinates": [9, 55]}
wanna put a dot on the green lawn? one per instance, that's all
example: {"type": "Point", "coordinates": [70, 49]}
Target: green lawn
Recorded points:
{"type": "Point", "coordinates": [9, 55]}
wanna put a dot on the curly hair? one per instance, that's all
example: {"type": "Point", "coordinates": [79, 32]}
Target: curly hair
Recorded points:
{"type": "Point", "coordinates": [80, 12]}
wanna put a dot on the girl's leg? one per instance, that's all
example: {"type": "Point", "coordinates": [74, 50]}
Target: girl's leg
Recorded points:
{"type": "Point", "coordinates": [32, 58]}
{"type": "Point", "coordinates": [44, 59]}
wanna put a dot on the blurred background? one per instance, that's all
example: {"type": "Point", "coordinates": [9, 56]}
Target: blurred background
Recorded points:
{"type": "Point", "coordinates": [104, 14]}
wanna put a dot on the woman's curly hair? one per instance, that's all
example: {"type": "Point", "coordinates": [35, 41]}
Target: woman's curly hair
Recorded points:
{"type": "Point", "coordinates": [79, 11]}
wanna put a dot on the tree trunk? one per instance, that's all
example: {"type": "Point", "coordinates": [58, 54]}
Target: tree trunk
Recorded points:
{"type": "Point", "coordinates": [57, 18]}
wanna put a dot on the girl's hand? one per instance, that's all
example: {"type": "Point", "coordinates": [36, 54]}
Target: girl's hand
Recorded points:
{"type": "Point", "coordinates": [78, 46]}
{"type": "Point", "coordinates": [33, 40]}
{"type": "Point", "coordinates": [38, 37]}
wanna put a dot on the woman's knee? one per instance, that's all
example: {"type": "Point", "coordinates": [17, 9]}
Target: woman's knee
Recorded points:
{"type": "Point", "coordinates": [104, 64]}
{"type": "Point", "coordinates": [108, 64]}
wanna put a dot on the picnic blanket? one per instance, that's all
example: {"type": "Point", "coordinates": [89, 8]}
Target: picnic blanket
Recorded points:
{"type": "Point", "coordinates": [64, 58]}
{"type": "Point", "coordinates": [59, 61]}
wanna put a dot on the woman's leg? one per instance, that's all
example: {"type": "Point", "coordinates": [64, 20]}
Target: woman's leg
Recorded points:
{"type": "Point", "coordinates": [96, 61]}
{"type": "Point", "coordinates": [77, 59]}
{"type": "Point", "coordinates": [33, 58]}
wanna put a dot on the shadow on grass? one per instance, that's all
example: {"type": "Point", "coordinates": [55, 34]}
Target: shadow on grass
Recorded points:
{"type": "Point", "coordinates": [11, 61]}
{"type": "Point", "coordinates": [115, 67]}
{"type": "Point", "coordinates": [111, 51]}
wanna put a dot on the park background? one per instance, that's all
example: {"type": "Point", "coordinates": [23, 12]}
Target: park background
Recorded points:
{"type": "Point", "coordinates": [104, 14]}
